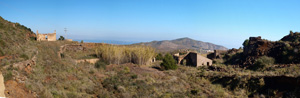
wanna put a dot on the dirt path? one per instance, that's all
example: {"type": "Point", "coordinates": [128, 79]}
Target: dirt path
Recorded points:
{"type": "Point", "coordinates": [2, 87]}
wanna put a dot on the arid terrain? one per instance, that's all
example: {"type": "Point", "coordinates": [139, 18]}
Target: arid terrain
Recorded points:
{"type": "Point", "coordinates": [161, 69]}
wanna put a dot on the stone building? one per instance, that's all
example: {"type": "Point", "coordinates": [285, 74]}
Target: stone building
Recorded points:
{"type": "Point", "coordinates": [192, 59]}
{"type": "Point", "coordinates": [46, 37]}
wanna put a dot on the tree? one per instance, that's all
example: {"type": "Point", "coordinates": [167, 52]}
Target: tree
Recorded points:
{"type": "Point", "coordinates": [81, 41]}
{"type": "Point", "coordinates": [168, 62]}
{"type": "Point", "coordinates": [61, 38]}
{"type": "Point", "coordinates": [159, 56]}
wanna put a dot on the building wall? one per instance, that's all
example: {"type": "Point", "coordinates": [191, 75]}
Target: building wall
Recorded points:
{"type": "Point", "coordinates": [191, 59]}
{"type": "Point", "coordinates": [203, 61]}
{"type": "Point", "coordinates": [196, 60]}
{"type": "Point", "coordinates": [51, 36]}
{"type": "Point", "coordinates": [46, 37]}
{"type": "Point", "coordinates": [41, 37]}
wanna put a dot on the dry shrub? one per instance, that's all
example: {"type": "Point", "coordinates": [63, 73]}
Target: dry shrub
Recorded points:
{"type": "Point", "coordinates": [118, 54]}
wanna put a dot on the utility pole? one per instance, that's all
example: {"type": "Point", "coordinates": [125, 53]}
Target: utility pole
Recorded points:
{"type": "Point", "coordinates": [65, 32]}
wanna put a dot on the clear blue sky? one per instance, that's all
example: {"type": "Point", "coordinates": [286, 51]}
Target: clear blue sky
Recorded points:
{"type": "Point", "coordinates": [223, 22]}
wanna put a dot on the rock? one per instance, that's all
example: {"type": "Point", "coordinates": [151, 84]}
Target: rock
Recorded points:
{"type": "Point", "coordinates": [2, 87]}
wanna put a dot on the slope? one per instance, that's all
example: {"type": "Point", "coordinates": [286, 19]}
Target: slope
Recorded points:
{"type": "Point", "coordinates": [182, 43]}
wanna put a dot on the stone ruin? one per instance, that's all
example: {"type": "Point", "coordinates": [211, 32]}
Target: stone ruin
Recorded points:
{"type": "Point", "coordinates": [192, 59]}
{"type": "Point", "coordinates": [46, 37]}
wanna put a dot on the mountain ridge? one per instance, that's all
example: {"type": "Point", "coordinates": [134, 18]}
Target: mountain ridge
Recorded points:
{"type": "Point", "coordinates": [182, 43]}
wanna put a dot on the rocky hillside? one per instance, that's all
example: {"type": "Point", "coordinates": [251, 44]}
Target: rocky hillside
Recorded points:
{"type": "Point", "coordinates": [182, 43]}
{"type": "Point", "coordinates": [284, 51]}
{"type": "Point", "coordinates": [13, 35]}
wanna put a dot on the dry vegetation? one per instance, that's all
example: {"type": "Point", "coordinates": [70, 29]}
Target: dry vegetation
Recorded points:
{"type": "Point", "coordinates": [127, 72]}
{"type": "Point", "coordinates": [115, 54]}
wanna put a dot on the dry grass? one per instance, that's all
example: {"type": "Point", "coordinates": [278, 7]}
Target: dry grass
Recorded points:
{"type": "Point", "coordinates": [115, 54]}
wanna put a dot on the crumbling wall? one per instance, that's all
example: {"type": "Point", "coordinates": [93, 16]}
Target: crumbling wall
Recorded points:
{"type": "Point", "coordinates": [218, 54]}
{"type": "Point", "coordinates": [46, 37]}
{"type": "Point", "coordinates": [51, 36]}
{"type": "Point", "coordinates": [41, 37]}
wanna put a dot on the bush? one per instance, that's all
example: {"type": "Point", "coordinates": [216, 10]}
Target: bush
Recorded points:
{"type": "Point", "coordinates": [61, 38]}
{"type": "Point", "coordinates": [100, 64]}
{"type": "Point", "coordinates": [168, 63]}
{"type": "Point", "coordinates": [262, 63]}
{"type": "Point", "coordinates": [159, 56]}
{"type": "Point", "coordinates": [24, 56]}
{"type": "Point", "coordinates": [8, 76]}
{"type": "Point", "coordinates": [246, 42]}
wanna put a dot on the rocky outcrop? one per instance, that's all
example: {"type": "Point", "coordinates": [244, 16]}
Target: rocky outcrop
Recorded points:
{"type": "Point", "coordinates": [292, 37]}
{"type": "Point", "coordinates": [285, 51]}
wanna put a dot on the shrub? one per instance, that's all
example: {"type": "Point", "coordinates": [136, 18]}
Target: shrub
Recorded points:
{"type": "Point", "coordinates": [246, 42]}
{"type": "Point", "coordinates": [24, 56]}
{"type": "Point", "coordinates": [100, 64]}
{"type": "Point", "coordinates": [8, 76]}
{"type": "Point", "coordinates": [61, 38]}
{"type": "Point", "coordinates": [159, 56]}
{"type": "Point", "coordinates": [134, 76]}
{"type": "Point", "coordinates": [262, 63]}
{"type": "Point", "coordinates": [168, 63]}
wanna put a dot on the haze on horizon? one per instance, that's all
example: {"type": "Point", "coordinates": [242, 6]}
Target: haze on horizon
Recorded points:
{"type": "Point", "coordinates": [217, 21]}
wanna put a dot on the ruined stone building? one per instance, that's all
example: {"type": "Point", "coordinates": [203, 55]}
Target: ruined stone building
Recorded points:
{"type": "Point", "coordinates": [46, 37]}
{"type": "Point", "coordinates": [192, 59]}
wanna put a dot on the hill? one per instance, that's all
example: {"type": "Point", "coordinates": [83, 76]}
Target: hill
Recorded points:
{"type": "Point", "coordinates": [13, 36]}
{"type": "Point", "coordinates": [63, 69]}
{"type": "Point", "coordinates": [182, 43]}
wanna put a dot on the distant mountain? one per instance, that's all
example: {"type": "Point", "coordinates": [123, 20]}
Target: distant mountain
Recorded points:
{"type": "Point", "coordinates": [116, 42]}
{"type": "Point", "coordinates": [182, 43]}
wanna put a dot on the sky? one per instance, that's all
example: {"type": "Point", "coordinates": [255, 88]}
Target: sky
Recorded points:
{"type": "Point", "coordinates": [222, 22]}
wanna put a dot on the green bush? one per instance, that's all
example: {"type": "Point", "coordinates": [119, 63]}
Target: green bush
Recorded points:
{"type": "Point", "coordinates": [263, 63]}
{"type": "Point", "coordinates": [159, 56]}
{"type": "Point", "coordinates": [61, 38]}
{"type": "Point", "coordinates": [24, 56]}
{"type": "Point", "coordinates": [100, 64]}
{"type": "Point", "coordinates": [168, 63]}
{"type": "Point", "coordinates": [246, 42]}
